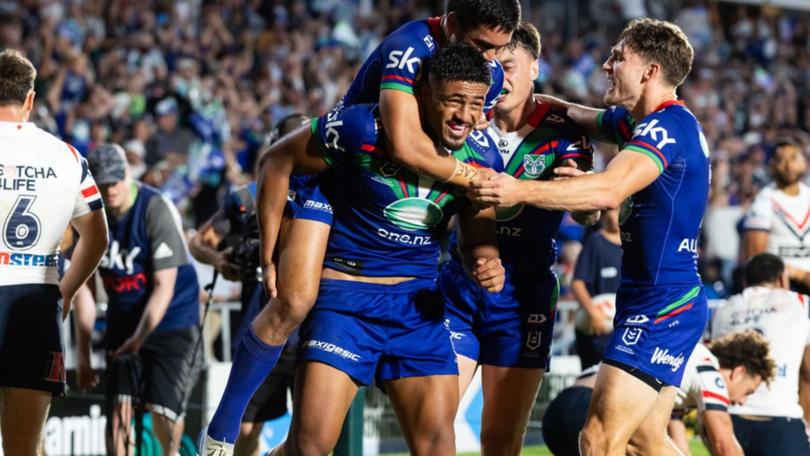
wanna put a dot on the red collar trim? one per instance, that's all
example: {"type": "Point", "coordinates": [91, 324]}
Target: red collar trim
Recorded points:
{"type": "Point", "coordinates": [435, 25]}
{"type": "Point", "coordinates": [667, 104]}
{"type": "Point", "coordinates": [540, 112]}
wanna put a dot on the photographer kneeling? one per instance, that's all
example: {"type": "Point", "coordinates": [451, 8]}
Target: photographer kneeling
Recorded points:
{"type": "Point", "coordinates": [229, 241]}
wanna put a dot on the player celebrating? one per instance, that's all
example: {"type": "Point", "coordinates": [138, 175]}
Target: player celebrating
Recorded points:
{"type": "Point", "coordinates": [387, 77]}
{"type": "Point", "coordinates": [664, 166]}
{"type": "Point", "coordinates": [777, 220]}
{"type": "Point", "coordinates": [378, 315]}
{"type": "Point", "coordinates": [771, 421]}
{"type": "Point", "coordinates": [509, 333]}
{"type": "Point", "coordinates": [37, 175]}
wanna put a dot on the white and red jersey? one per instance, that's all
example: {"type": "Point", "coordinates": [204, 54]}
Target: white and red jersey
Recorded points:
{"type": "Point", "coordinates": [44, 184]}
{"type": "Point", "coordinates": [782, 317]}
{"type": "Point", "coordinates": [702, 386]}
{"type": "Point", "coordinates": [787, 220]}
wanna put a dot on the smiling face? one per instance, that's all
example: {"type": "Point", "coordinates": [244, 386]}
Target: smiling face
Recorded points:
{"type": "Point", "coordinates": [625, 73]}
{"type": "Point", "coordinates": [520, 71]}
{"type": "Point", "coordinates": [452, 109]}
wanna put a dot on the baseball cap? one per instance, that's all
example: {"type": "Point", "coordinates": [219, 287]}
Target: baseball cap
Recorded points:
{"type": "Point", "coordinates": [166, 106]}
{"type": "Point", "coordinates": [108, 164]}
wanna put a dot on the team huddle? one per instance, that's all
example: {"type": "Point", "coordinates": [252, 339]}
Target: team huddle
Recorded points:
{"type": "Point", "coordinates": [440, 136]}
{"type": "Point", "coordinates": [386, 313]}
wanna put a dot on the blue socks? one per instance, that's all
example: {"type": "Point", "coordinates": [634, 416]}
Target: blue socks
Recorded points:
{"type": "Point", "coordinates": [252, 363]}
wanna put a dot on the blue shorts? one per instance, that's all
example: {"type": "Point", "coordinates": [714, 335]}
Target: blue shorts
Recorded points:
{"type": "Point", "coordinates": [307, 198]}
{"type": "Point", "coordinates": [512, 328]}
{"type": "Point", "coordinates": [379, 332]}
{"type": "Point", "coordinates": [656, 329]}
{"type": "Point", "coordinates": [31, 338]}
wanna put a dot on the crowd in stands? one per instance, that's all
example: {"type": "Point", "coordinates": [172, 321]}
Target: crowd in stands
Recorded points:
{"type": "Point", "coordinates": [191, 88]}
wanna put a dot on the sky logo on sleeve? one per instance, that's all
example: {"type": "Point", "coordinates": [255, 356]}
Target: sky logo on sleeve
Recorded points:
{"type": "Point", "coordinates": [401, 59]}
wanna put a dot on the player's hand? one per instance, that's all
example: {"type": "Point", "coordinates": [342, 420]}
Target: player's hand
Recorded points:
{"type": "Point", "coordinates": [489, 273]}
{"type": "Point", "coordinates": [131, 345]}
{"type": "Point", "coordinates": [599, 323]}
{"type": "Point", "coordinates": [486, 173]}
{"type": "Point", "coordinates": [499, 190]}
{"type": "Point", "coordinates": [86, 378]}
{"type": "Point", "coordinates": [269, 279]}
{"type": "Point", "coordinates": [569, 169]}
{"type": "Point", "coordinates": [229, 271]}
{"type": "Point", "coordinates": [554, 102]}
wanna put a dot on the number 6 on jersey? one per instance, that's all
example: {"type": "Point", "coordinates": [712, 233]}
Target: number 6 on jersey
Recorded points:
{"type": "Point", "coordinates": [21, 228]}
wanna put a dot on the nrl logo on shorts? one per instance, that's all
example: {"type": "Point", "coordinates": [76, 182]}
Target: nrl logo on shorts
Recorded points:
{"type": "Point", "coordinates": [533, 340]}
{"type": "Point", "coordinates": [534, 165]}
{"type": "Point", "coordinates": [631, 336]}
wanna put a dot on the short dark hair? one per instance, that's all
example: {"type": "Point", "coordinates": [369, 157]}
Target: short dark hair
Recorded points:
{"type": "Point", "coordinates": [457, 62]}
{"type": "Point", "coordinates": [495, 14]}
{"type": "Point", "coordinates": [763, 268]}
{"type": "Point", "coordinates": [662, 42]}
{"type": "Point", "coordinates": [749, 349]}
{"type": "Point", "coordinates": [527, 37]}
{"type": "Point", "coordinates": [286, 125]}
{"type": "Point", "coordinates": [17, 76]}
{"type": "Point", "coordinates": [784, 141]}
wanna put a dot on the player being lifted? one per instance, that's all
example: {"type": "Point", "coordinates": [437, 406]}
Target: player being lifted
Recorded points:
{"type": "Point", "coordinates": [664, 166]}
{"type": "Point", "coordinates": [379, 316]}
{"type": "Point", "coordinates": [509, 333]}
{"type": "Point", "coordinates": [387, 77]}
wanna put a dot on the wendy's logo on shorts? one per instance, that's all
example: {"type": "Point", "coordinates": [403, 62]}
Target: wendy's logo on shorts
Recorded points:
{"type": "Point", "coordinates": [56, 368]}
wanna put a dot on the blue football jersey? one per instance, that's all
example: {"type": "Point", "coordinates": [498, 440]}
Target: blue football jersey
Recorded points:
{"type": "Point", "coordinates": [549, 138]}
{"type": "Point", "coordinates": [388, 221]}
{"type": "Point", "coordinates": [395, 64]}
{"type": "Point", "coordinates": [659, 237]}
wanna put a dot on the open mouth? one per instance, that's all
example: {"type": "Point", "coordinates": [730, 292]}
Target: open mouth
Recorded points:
{"type": "Point", "coordinates": [458, 129]}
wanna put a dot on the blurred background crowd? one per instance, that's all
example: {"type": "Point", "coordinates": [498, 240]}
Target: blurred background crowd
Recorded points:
{"type": "Point", "coordinates": [191, 88]}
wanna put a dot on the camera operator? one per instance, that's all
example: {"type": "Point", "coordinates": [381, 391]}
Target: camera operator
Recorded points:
{"type": "Point", "coordinates": [229, 241]}
{"type": "Point", "coordinates": [153, 307]}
